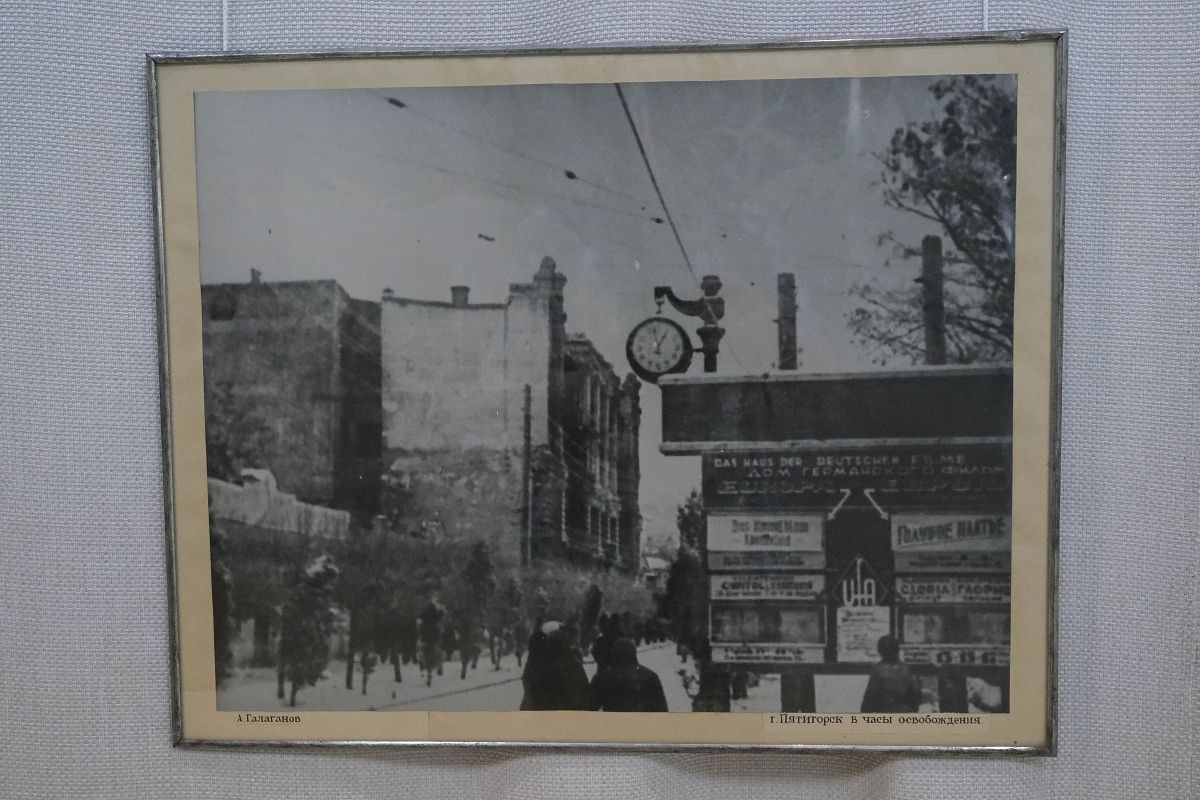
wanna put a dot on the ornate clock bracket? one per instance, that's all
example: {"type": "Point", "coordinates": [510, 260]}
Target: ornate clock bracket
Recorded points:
{"type": "Point", "coordinates": [710, 309]}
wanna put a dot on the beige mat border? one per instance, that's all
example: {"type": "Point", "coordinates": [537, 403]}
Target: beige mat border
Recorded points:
{"type": "Point", "coordinates": [1038, 58]}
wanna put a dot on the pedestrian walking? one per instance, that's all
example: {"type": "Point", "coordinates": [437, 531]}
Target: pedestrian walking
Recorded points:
{"type": "Point", "coordinates": [469, 635]}
{"type": "Point", "coordinates": [407, 639]}
{"type": "Point", "coordinates": [626, 685]}
{"type": "Point", "coordinates": [602, 647]}
{"type": "Point", "coordinates": [892, 686]}
{"type": "Point", "coordinates": [739, 685]}
{"type": "Point", "coordinates": [430, 622]}
{"type": "Point", "coordinates": [449, 639]}
{"type": "Point", "coordinates": [554, 678]}
{"type": "Point", "coordinates": [520, 640]}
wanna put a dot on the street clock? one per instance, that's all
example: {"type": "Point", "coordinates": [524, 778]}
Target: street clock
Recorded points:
{"type": "Point", "coordinates": [658, 346]}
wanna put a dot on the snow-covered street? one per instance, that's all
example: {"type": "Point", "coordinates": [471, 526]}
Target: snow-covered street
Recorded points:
{"type": "Point", "coordinates": [483, 689]}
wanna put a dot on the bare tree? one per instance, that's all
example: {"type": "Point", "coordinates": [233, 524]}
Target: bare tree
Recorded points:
{"type": "Point", "coordinates": [957, 170]}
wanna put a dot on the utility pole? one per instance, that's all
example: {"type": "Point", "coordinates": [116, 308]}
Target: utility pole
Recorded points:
{"type": "Point", "coordinates": [527, 480]}
{"type": "Point", "coordinates": [787, 320]}
{"type": "Point", "coordinates": [933, 302]}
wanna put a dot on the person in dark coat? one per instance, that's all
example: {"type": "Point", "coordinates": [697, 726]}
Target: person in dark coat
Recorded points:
{"type": "Point", "coordinates": [469, 647]}
{"type": "Point", "coordinates": [892, 686]}
{"type": "Point", "coordinates": [637, 632]}
{"type": "Point", "coordinates": [406, 638]}
{"type": "Point", "coordinates": [449, 640]}
{"type": "Point", "coordinates": [627, 685]}
{"type": "Point", "coordinates": [520, 640]}
{"type": "Point", "coordinates": [739, 685]}
{"type": "Point", "coordinates": [602, 646]}
{"type": "Point", "coordinates": [554, 678]}
{"type": "Point", "coordinates": [431, 620]}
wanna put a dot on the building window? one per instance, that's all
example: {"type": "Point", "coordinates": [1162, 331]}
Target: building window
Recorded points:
{"type": "Point", "coordinates": [616, 466]}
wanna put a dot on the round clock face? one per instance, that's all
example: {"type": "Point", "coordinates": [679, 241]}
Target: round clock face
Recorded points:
{"type": "Point", "coordinates": [658, 346]}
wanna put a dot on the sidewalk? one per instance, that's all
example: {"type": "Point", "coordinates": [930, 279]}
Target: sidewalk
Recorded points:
{"type": "Point", "coordinates": [254, 689]}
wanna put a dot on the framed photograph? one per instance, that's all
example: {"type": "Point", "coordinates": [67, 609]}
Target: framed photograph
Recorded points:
{"type": "Point", "coordinates": [683, 397]}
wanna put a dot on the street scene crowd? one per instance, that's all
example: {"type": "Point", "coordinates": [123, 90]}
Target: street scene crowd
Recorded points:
{"type": "Point", "coordinates": [379, 604]}
{"type": "Point", "coordinates": [553, 678]}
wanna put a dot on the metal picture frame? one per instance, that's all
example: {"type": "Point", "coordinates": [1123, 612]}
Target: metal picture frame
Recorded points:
{"type": "Point", "coordinates": [182, 89]}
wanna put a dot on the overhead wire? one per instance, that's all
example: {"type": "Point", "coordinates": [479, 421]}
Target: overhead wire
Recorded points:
{"type": "Point", "coordinates": [479, 179]}
{"type": "Point", "coordinates": [568, 172]}
{"type": "Point", "coordinates": [494, 186]}
{"type": "Point", "coordinates": [637, 136]}
{"type": "Point", "coordinates": [667, 215]}
{"type": "Point", "coordinates": [482, 182]}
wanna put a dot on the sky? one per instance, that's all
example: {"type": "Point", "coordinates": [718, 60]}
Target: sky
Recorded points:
{"type": "Point", "coordinates": [419, 189]}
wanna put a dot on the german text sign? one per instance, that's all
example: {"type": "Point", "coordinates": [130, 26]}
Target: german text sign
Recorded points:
{"type": "Point", "coordinates": [947, 654]}
{"type": "Point", "coordinates": [765, 560]}
{"type": "Point", "coordinates": [768, 653]}
{"type": "Point", "coordinates": [891, 478]}
{"type": "Point", "coordinates": [953, 561]}
{"type": "Point", "coordinates": [760, 532]}
{"type": "Point", "coordinates": [951, 532]}
{"type": "Point", "coordinates": [766, 587]}
{"type": "Point", "coordinates": [938, 589]}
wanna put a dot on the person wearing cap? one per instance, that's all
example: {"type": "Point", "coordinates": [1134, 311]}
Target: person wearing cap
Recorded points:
{"type": "Point", "coordinates": [554, 678]}
{"type": "Point", "coordinates": [625, 685]}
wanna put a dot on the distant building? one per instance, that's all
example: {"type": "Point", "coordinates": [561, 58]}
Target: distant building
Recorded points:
{"type": "Point", "coordinates": [291, 379]}
{"type": "Point", "coordinates": [497, 425]}
{"type": "Point", "coordinates": [599, 420]}
{"type": "Point", "coordinates": [655, 570]}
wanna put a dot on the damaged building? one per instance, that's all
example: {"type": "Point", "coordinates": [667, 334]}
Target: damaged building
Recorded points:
{"type": "Point", "coordinates": [291, 383]}
{"type": "Point", "coordinates": [453, 419]}
{"type": "Point", "coordinates": [498, 425]}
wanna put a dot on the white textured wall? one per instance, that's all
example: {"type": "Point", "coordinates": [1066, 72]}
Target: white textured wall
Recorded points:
{"type": "Point", "coordinates": [84, 698]}
{"type": "Point", "coordinates": [445, 374]}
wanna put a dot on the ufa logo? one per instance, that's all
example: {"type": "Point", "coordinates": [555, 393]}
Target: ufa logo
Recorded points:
{"type": "Point", "coordinates": [859, 587]}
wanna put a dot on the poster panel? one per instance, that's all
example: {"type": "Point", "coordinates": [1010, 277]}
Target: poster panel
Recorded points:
{"type": "Point", "coordinates": [859, 629]}
{"type": "Point", "coordinates": [766, 586]}
{"type": "Point", "coordinates": [955, 654]}
{"type": "Point", "coordinates": [952, 561]}
{"type": "Point", "coordinates": [768, 622]}
{"type": "Point", "coordinates": [765, 532]}
{"type": "Point", "coordinates": [953, 589]}
{"type": "Point", "coordinates": [774, 653]}
{"type": "Point", "coordinates": [953, 533]}
{"type": "Point", "coordinates": [765, 560]}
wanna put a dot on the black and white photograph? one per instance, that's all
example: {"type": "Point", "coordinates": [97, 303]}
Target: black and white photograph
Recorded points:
{"type": "Point", "coordinates": [688, 396]}
{"type": "Point", "coordinates": [677, 399]}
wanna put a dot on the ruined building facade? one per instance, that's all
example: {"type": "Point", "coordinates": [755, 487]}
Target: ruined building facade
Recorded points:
{"type": "Point", "coordinates": [291, 381]}
{"type": "Point", "coordinates": [498, 425]}
{"type": "Point", "coordinates": [453, 419]}
{"type": "Point", "coordinates": [599, 420]}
